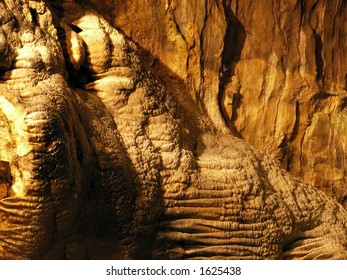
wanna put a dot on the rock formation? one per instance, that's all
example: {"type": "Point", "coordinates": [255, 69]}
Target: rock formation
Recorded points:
{"type": "Point", "coordinates": [99, 158]}
{"type": "Point", "coordinates": [275, 68]}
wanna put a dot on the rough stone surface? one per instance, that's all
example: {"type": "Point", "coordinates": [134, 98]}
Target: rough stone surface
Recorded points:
{"type": "Point", "coordinates": [103, 160]}
{"type": "Point", "coordinates": [272, 71]}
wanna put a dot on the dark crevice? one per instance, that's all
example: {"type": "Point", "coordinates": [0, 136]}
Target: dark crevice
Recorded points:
{"type": "Point", "coordinates": [56, 5]}
{"type": "Point", "coordinates": [75, 28]}
{"type": "Point", "coordinates": [5, 179]}
{"type": "Point", "coordinates": [296, 124]}
{"type": "Point", "coordinates": [233, 44]}
{"type": "Point", "coordinates": [82, 78]}
{"type": "Point", "coordinates": [34, 17]}
{"type": "Point", "coordinates": [68, 64]}
{"type": "Point", "coordinates": [344, 202]}
{"type": "Point", "coordinates": [318, 55]}
{"type": "Point", "coordinates": [79, 151]}
{"type": "Point", "coordinates": [314, 6]}
{"type": "Point", "coordinates": [235, 37]}
{"type": "Point", "coordinates": [343, 104]}
{"type": "Point", "coordinates": [237, 100]}
{"type": "Point", "coordinates": [201, 93]}
{"type": "Point", "coordinates": [302, 12]}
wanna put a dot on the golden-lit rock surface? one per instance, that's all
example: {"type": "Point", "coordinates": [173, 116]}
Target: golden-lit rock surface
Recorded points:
{"type": "Point", "coordinates": [101, 159]}
{"type": "Point", "coordinates": [275, 69]}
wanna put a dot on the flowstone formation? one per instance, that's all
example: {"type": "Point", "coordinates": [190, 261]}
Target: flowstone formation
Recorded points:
{"type": "Point", "coordinates": [272, 72]}
{"type": "Point", "coordinates": [99, 160]}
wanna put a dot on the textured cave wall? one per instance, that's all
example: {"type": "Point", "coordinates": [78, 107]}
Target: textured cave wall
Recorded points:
{"type": "Point", "coordinates": [272, 71]}
{"type": "Point", "coordinates": [98, 160]}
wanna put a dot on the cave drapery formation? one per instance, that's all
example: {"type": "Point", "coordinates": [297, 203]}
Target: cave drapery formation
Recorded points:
{"type": "Point", "coordinates": [173, 129]}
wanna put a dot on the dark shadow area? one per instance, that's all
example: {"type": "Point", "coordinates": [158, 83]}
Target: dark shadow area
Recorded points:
{"type": "Point", "coordinates": [105, 219]}
{"type": "Point", "coordinates": [318, 56]}
{"type": "Point", "coordinates": [235, 37]}
{"type": "Point", "coordinates": [234, 41]}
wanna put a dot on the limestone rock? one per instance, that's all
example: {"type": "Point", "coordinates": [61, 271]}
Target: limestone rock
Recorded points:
{"type": "Point", "coordinates": [103, 160]}
{"type": "Point", "coordinates": [267, 70]}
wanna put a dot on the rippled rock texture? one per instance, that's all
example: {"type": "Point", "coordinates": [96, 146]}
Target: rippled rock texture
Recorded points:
{"type": "Point", "coordinates": [272, 71]}
{"type": "Point", "coordinates": [101, 159]}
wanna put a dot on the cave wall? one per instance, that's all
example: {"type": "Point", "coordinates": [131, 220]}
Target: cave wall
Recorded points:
{"type": "Point", "coordinates": [272, 72]}
{"type": "Point", "coordinates": [99, 161]}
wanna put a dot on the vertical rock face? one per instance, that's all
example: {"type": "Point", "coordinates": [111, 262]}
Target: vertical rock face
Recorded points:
{"type": "Point", "coordinates": [272, 72]}
{"type": "Point", "coordinates": [291, 84]}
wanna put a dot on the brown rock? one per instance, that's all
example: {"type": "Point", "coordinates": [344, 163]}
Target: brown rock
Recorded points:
{"type": "Point", "coordinates": [5, 171]}
{"type": "Point", "coordinates": [110, 162]}
{"type": "Point", "coordinates": [5, 179]}
{"type": "Point", "coordinates": [3, 188]}
{"type": "Point", "coordinates": [286, 62]}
